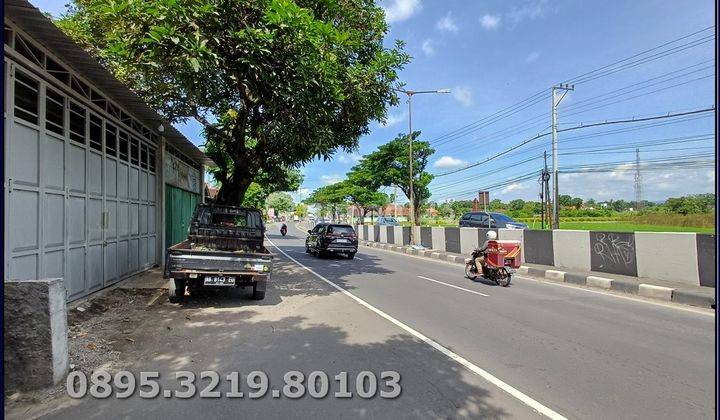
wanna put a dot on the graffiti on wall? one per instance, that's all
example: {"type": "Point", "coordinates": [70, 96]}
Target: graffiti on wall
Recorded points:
{"type": "Point", "coordinates": [613, 252]}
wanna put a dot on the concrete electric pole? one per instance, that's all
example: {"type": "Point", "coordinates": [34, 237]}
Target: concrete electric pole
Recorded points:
{"type": "Point", "coordinates": [638, 181]}
{"type": "Point", "coordinates": [556, 196]}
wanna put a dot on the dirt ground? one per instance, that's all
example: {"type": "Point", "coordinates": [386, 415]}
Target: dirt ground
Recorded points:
{"type": "Point", "coordinates": [101, 335]}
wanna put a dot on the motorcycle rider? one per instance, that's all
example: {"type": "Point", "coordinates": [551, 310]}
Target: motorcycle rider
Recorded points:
{"type": "Point", "coordinates": [491, 235]}
{"type": "Point", "coordinates": [283, 229]}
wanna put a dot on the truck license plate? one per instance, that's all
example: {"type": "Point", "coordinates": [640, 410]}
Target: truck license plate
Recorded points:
{"type": "Point", "coordinates": [219, 281]}
{"type": "Point", "coordinates": [342, 241]}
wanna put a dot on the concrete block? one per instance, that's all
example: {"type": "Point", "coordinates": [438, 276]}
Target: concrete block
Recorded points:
{"type": "Point", "coordinates": [667, 256]}
{"type": "Point", "coordinates": [538, 247]}
{"type": "Point", "coordinates": [575, 278]}
{"type": "Point", "coordinates": [468, 240]}
{"type": "Point", "coordinates": [425, 238]}
{"type": "Point", "coordinates": [694, 298]}
{"type": "Point", "coordinates": [452, 240]}
{"type": "Point", "coordinates": [536, 272]}
{"type": "Point", "coordinates": [513, 235]}
{"type": "Point", "coordinates": [408, 250]}
{"type": "Point", "coordinates": [655, 292]}
{"type": "Point", "coordinates": [571, 249]}
{"type": "Point", "coordinates": [706, 259]}
{"type": "Point", "coordinates": [416, 234]}
{"type": "Point", "coordinates": [455, 259]}
{"type": "Point", "coordinates": [600, 282]}
{"type": "Point", "coordinates": [424, 253]}
{"type": "Point", "coordinates": [613, 252]}
{"type": "Point", "coordinates": [438, 238]}
{"type": "Point", "coordinates": [555, 275]}
{"type": "Point", "coordinates": [383, 234]}
{"type": "Point", "coordinates": [625, 286]}
{"type": "Point", "coordinates": [522, 270]}
{"type": "Point", "coordinates": [398, 235]}
{"type": "Point", "coordinates": [35, 333]}
{"type": "Point", "coordinates": [435, 255]}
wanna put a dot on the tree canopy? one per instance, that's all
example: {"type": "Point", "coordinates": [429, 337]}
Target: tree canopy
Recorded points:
{"type": "Point", "coordinates": [280, 201]}
{"type": "Point", "coordinates": [275, 83]}
{"type": "Point", "coordinates": [389, 165]}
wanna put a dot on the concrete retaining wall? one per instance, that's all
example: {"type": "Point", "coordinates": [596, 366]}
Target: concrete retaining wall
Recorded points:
{"type": "Point", "coordinates": [655, 249]}
{"type": "Point", "coordinates": [571, 249]}
{"type": "Point", "coordinates": [468, 240]}
{"type": "Point", "coordinates": [438, 238]}
{"type": "Point", "coordinates": [684, 257]}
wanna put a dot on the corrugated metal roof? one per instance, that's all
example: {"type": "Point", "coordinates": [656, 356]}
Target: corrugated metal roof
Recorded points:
{"type": "Point", "coordinates": [38, 26]}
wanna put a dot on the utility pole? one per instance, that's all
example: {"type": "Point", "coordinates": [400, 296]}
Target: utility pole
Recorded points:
{"type": "Point", "coordinates": [638, 181]}
{"type": "Point", "coordinates": [556, 196]}
{"type": "Point", "coordinates": [410, 94]}
{"type": "Point", "coordinates": [544, 193]}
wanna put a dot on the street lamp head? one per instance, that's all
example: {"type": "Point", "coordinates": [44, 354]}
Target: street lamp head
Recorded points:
{"type": "Point", "coordinates": [443, 91]}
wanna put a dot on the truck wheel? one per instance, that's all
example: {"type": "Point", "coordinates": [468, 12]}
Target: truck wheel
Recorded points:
{"type": "Point", "coordinates": [177, 294]}
{"type": "Point", "coordinates": [258, 294]}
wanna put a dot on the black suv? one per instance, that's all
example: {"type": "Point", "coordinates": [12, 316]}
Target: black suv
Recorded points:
{"type": "Point", "coordinates": [327, 238]}
{"type": "Point", "coordinates": [497, 220]}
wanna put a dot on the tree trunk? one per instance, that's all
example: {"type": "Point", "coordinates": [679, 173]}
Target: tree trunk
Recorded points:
{"type": "Point", "coordinates": [232, 192]}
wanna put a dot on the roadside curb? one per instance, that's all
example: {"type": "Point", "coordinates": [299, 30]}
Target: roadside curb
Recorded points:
{"type": "Point", "coordinates": [651, 291]}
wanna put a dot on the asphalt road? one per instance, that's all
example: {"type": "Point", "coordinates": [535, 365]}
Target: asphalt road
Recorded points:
{"type": "Point", "coordinates": [581, 353]}
{"type": "Point", "coordinates": [463, 349]}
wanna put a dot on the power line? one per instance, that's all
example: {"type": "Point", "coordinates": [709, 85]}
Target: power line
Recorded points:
{"type": "Point", "coordinates": [517, 146]}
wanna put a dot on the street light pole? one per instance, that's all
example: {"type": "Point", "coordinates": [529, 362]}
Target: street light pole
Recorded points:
{"type": "Point", "coordinates": [410, 94]}
{"type": "Point", "coordinates": [556, 194]}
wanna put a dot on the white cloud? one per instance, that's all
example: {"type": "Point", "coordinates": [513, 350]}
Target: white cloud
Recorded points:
{"type": "Point", "coordinates": [490, 22]}
{"type": "Point", "coordinates": [349, 158]}
{"type": "Point", "coordinates": [428, 48]}
{"type": "Point", "coordinates": [529, 10]}
{"type": "Point", "coordinates": [393, 120]}
{"type": "Point", "coordinates": [331, 179]}
{"type": "Point", "coordinates": [399, 10]}
{"type": "Point", "coordinates": [515, 186]}
{"type": "Point", "coordinates": [447, 24]}
{"type": "Point", "coordinates": [532, 57]}
{"type": "Point", "coordinates": [463, 95]}
{"type": "Point", "coordinates": [449, 162]}
{"type": "Point", "coordinates": [300, 194]}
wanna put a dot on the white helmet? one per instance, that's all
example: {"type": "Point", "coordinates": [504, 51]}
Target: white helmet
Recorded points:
{"type": "Point", "coordinates": [491, 235]}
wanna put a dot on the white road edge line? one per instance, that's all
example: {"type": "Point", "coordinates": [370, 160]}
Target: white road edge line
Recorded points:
{"type": "Point", "coordinates": [453, 286]}
{"type": "Point", "coordinates": [668, 305]}
{"type": "Point", "coordinates": [530, 402]}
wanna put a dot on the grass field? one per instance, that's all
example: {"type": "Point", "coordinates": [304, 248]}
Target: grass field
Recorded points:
{"type": "Point", "coordinates": [622, 226]}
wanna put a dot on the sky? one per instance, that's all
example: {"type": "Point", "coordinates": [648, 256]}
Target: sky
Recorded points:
{"type": "Point", "coordinates": [494, 54]}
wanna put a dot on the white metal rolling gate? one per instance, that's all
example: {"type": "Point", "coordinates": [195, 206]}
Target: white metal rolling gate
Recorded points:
{"type": "Point", "coordinates": [80, 188]}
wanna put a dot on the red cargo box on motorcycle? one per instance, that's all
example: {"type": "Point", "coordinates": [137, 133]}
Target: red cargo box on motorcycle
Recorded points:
{"type": "Point", "coordinates": [503, 254]}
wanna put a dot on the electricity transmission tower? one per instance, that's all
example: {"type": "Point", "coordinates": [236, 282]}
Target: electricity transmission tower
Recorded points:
{"type": "Point", "coordinates": [638, 181]}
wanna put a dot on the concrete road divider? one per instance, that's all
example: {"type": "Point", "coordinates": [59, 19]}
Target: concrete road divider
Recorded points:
{"type": "Point", "coordinates": [555, 275]}
{"type": "Point", "coordinates": [655, 292]}
{"type": "Point", "coordinates": [600, 282]}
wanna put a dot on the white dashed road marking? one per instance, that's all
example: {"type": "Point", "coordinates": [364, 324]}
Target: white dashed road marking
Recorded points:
{"type": "Point", "coordinates": [453, 286]}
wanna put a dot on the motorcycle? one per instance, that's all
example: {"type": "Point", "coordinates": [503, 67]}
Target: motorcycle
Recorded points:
{"type": "Point", "coordinates": [502, 258]}
{"type": "Point", "coordinates": [283, 229]}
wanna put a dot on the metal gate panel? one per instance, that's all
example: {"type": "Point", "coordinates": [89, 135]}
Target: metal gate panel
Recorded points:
{"type": "Point", "coordinates": [110, 264]}
{"type": "Point", "coordinates": [54, 264]}
{"type": "Point", "coordinates": [95, 267]}
{"type": "Point", "coordinates": [53, 220]}
{"type": "Point", "coordinates": [134, 215]}
{"type": "Point", "coordinates": [76, 169]}
{"type": "Point", "coordinates": [133, 255]}
{"type": "Point", "coordinates": [123, 258]}
{"type": "Point", "coordinates": [25, 168]}
{"type": "Point", "coordinates": [110, 178]}
{"type": "Point", "coordinates": [75, 273]}
{"type": "Point", "coordinates": [95, 183]}
{"type": "Point", "coordinates": [143, 186]}
{"type": "Point", "coordinates": [123, 219]}
{"type": "Point", "coordinates": [76, 220]}
{"type": "Point", "coordinates": [122, 181]}
{"type": "Point", "coordinates": [133, 183]}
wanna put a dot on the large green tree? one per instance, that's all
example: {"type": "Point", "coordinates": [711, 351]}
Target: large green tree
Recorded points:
{"type": "Point", "coordinates": [389, 165]}
{"type": "Point", "coordinates": [275, 83]}
{"type": "Point", "coordinates": [280, 201]}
